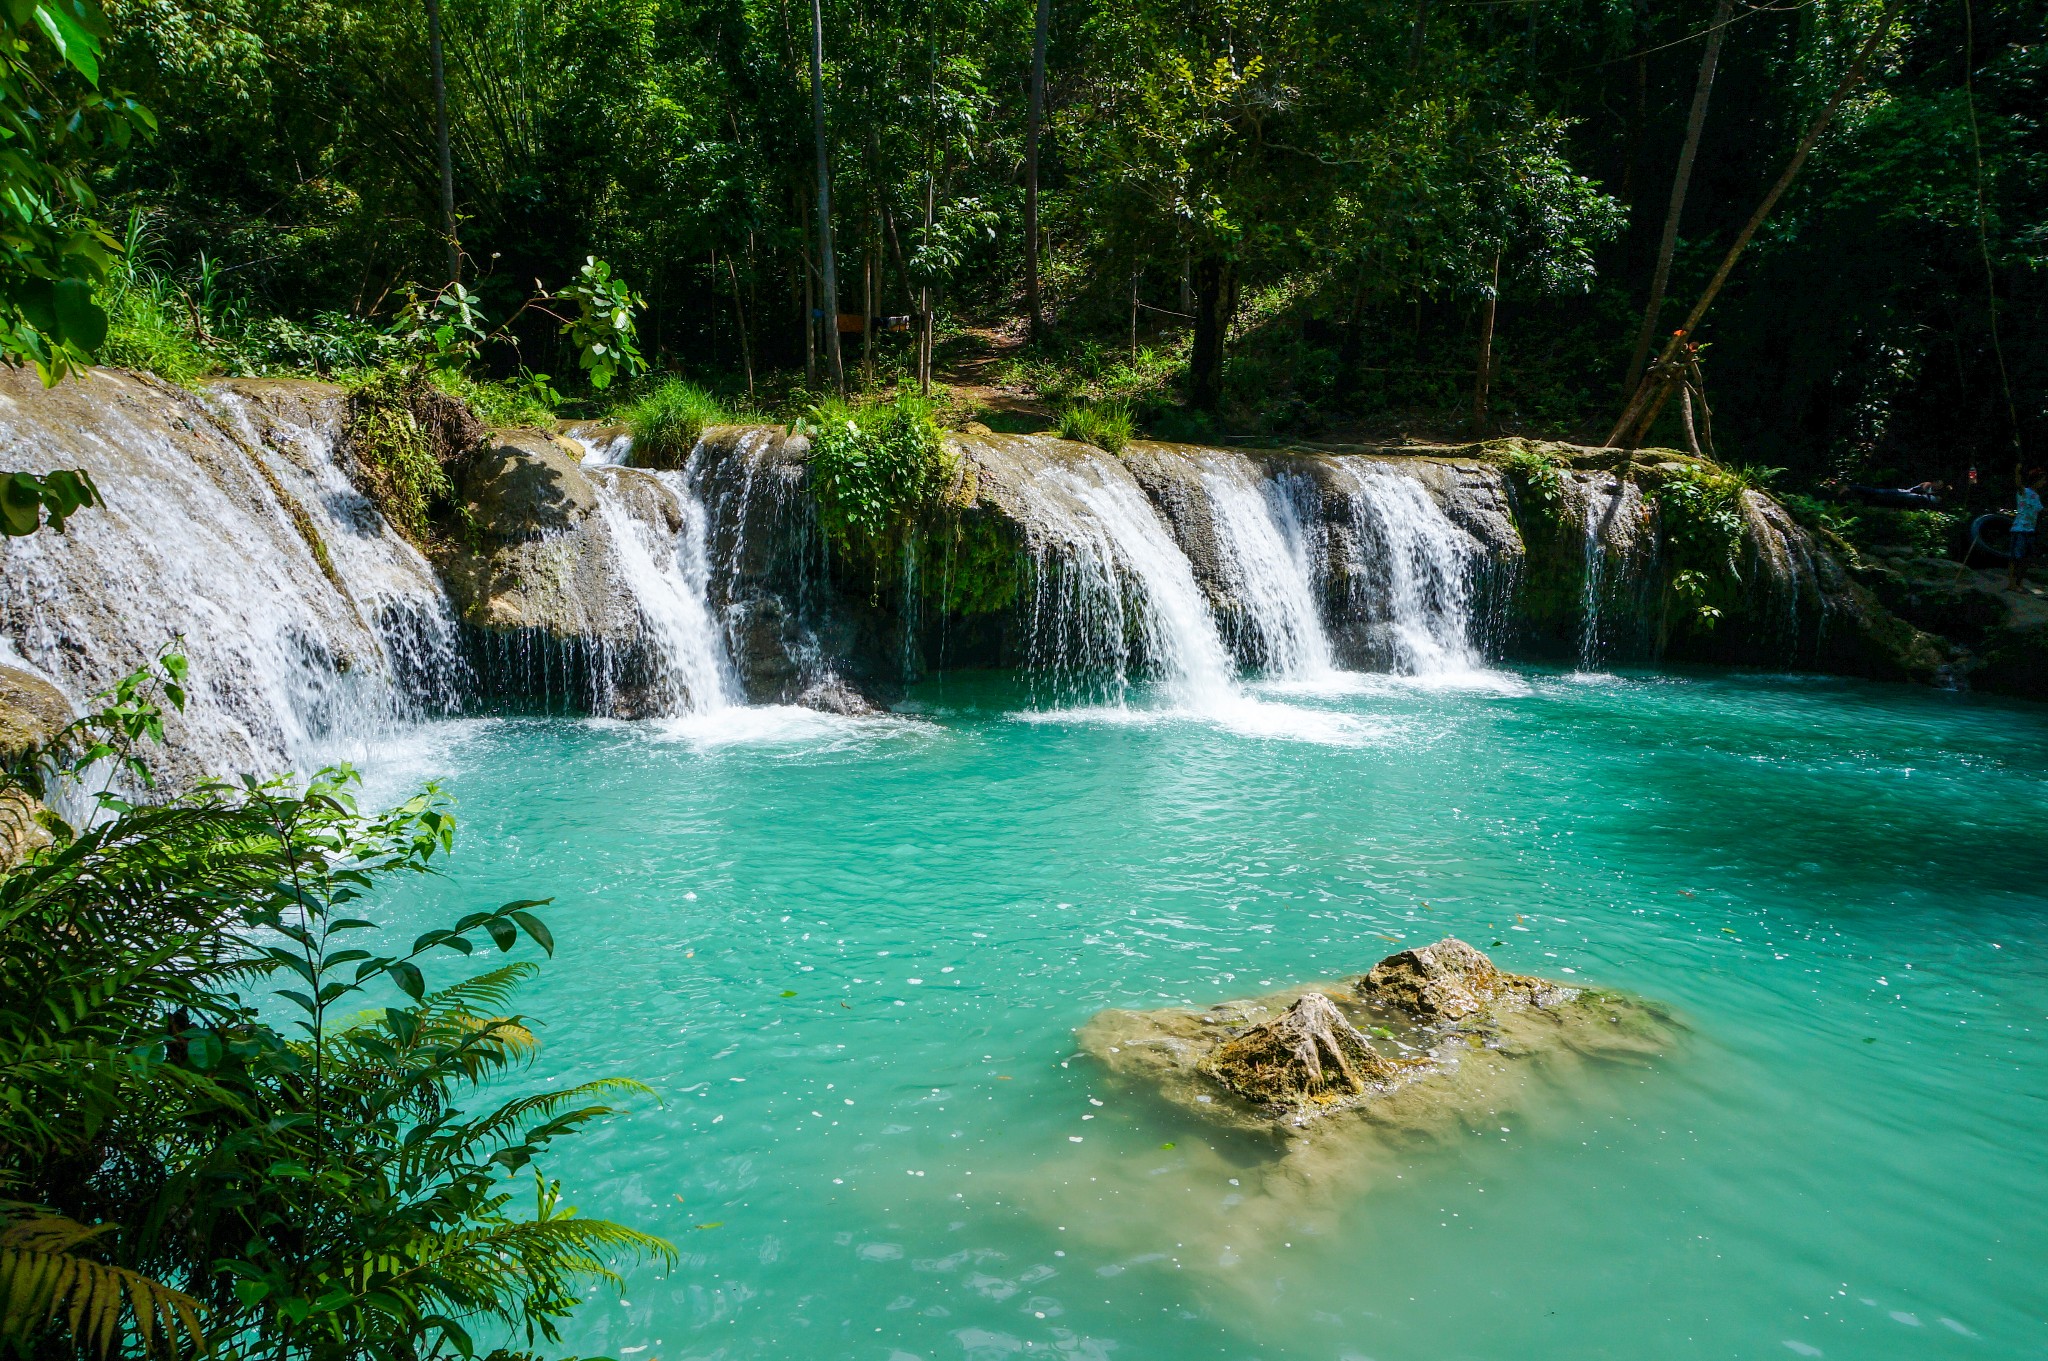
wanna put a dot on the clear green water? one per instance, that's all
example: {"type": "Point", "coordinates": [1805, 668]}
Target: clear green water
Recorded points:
{"type": "Point", "coordinates": [1839, 888]}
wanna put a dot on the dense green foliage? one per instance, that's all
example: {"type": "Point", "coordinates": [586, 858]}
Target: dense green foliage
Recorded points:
{"type": "Point", "coordinates": [232, 1116]}
{"type": "Point", "coordinates": [873, 469]}
{"type": "Point", "coordinates": [1295, 216]}
{"type": "Point", "coordinates": [54, 121]}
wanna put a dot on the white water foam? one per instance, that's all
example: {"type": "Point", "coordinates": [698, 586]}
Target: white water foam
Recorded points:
{"type": "Point", "coordinates": [668, 577]}
{"type": "Point", "coordinates": [1264, 554]}
{"type": "Point", "coordinates": [1421, 566]}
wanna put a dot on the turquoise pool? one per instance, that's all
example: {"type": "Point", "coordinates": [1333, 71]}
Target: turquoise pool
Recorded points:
{"type": "Point", "coordinates": [851, 955]}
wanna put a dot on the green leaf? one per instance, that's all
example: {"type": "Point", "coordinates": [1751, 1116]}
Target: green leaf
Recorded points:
{"type": "Point", "coordinates": [408, 978]}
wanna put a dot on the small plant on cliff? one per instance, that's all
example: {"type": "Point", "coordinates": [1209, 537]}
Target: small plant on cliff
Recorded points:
{"type": "Point", "coordinates": [873, 470]}
{"type": "Point", "coordinates": [1541, 477]}
{"type": "Point", "coordinates": [1699, 515]}
{"type": "Point", "coordinates": [1106, 425]}
{"type": "Point", "coordinates": [393, 457]}
{"type": "Point", "coordinates": [668, 422]}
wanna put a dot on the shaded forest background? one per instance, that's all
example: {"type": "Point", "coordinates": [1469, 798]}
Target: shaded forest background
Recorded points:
{"type": "Point", "coordinates": [1339, 180]}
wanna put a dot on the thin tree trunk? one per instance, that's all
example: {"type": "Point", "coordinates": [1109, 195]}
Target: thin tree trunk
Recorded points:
{"type": "Point", "coordinates": [1418, 35]}
{"type": "Point", "coordinates": [1134, 314]}
{"type": "Point", "coordinates": [739, 313]}
{"type": "Point", "coordinates": [1655, 389]}
{"type": "Point", "coordinates": [1212, 284]}
{"type": "Point", "coordinates": [924, 292]}
{"type": "Point", "coordinates": [1680, 182]}
{"type": "Point", "coordinates": [1482, 385]}
{"type": "Point", "coordinates": [810, 310]}
{"type": "Point", "coordinates": [867, 315]}
{"type": "Point", "coordinates": [1692, 436]}
{"type": "Point", "coordinates": [828, 272]}
{"type": "Point", "coordinates": [441, 148]}
{"type": "Point", "coordinates": [1032, 123]}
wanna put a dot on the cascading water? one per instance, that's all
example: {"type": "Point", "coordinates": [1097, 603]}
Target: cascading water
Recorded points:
{"type": "Point", "coordinates": [1409, 573]}
{"type": "Point", "coordinates": [1117, 597]}
{"type": "Point", "coordinates": [1264, 556]}
{"type": "Point", "coordinates": [229, 534]}
{"type": "Point", "coordinates": [1613, 571]}
{"type": "Point", "coordinates": [668, 578]}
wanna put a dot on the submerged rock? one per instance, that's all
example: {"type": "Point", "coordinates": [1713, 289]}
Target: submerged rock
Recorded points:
{"type": "Point", "coordinates": [1427, 1039]}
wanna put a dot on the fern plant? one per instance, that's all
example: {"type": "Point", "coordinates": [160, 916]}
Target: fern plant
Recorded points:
{"type": "Point", "coordinates": [322, 1190]}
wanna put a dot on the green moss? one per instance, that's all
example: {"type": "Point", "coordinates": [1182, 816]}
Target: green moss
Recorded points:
{"type": "Point", "coordinates": [392, 459]}
{"type": "Point", "coordinates": [972, 564]}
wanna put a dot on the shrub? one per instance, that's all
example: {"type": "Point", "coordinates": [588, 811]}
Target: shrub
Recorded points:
{"type": "Point", "coordinates": [668, 422]}
{"type": "Point", "coordinates": [1699, 513]}
{"type": "Point", "coordinates": [1540, 475]}
{"type": "Point", "coordinates": [215, 1139]}
{"type": "Point", "coordinates": [1106, 425]}
{"type": "Point", "coordinates": [874, 469]}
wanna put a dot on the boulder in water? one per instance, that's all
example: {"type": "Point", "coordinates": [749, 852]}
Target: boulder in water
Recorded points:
{"type": "Point", "coordinates": [1428, 1039]}
{"type": "Point", "coordinates": [1308, 1056]}
{"type": "Point", "coordinates": [1449, 982]}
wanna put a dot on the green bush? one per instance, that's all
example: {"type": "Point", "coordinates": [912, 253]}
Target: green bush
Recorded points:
{"type": "Point", "coordinates": [668, 421]}
{"type": "Point", "coordinates": [238, 1121]}
{"type": "Point", "coordinates": [1106, 425]}
{"type": "Point", "coordinates": [874, 469]}
{"type": "Point", "coordinates": [1540, 475]}
{"type": "Point", "coordinates": [523, 401]}
{"type": "Point", "coordinates": [1699, 514]}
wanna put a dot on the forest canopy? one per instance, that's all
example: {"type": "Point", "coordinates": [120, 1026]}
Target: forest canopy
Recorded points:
{"type": "Point", "coordinates": [1269, 216]}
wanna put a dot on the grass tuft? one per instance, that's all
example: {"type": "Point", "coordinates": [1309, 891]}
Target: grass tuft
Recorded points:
{"type": "Point", "coordinates": [668, 422]}
{"type": "Point", "coordinates": [1106, 425]}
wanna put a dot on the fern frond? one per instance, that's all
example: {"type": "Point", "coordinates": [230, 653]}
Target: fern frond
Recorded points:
{"type": "Point", "coordinates": [43, 1278]}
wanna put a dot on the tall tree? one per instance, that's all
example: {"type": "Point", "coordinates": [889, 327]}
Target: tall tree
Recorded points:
{"type": "Point", "coordinates": [828, 273]}
{"type": "Point", "coordinates": [1680, 181]}
{"type": "Point", "coordinates": [1032, 127]}
{"type": "Point", "coordinates": [442, 152]}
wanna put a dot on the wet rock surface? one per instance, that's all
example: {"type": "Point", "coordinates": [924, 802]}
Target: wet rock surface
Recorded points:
{"type": "Point", "coordinates": [32, 713]}
{"type": "Point", "coordinates": [1428, 1038]}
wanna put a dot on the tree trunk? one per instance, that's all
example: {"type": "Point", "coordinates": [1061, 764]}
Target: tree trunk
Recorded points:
{"type": "Point", "coordinates": [1213, 277]}
{"type": "Point", "coordinates": [441, 148]}
{"type": "Point", "coordinates": [828, 274]}
{"type": "Point", "coordinates": [1418, 35]}
{"type": "Point", "coordinates": [739, 313]}
{"type": "Point", "coordinates": [1655, 389]}
{"type": "Point", "coordinates": [810, 309]}
{"type": "Point", "coordinates": [1679, 184]}
{"type": "Point", "coordinates": [1482, 385]}
{"type": "Point", "coordinates": [1032, 124]}
{"type": "Point", "coordinates": [924, 295]}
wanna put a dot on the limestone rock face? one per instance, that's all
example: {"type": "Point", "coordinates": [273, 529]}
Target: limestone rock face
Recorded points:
{"type": "Point", "coordinates": [543, 556]}
{"type": "Point", "coordinates": [32, 711]}
{"type": "Point", "coordinates": [1308, 1055]}
{"type": "Point", "coordinates": [1448, 982]}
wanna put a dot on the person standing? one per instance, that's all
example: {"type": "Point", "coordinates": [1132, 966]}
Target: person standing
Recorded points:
{"type": "Point", "coordinates": [2026, 518]}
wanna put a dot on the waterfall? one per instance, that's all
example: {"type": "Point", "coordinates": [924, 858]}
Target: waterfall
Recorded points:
{"type": "Point", "coordinates": [668, 578]}
{"type": "Point", "coordinates": [1614, 571]}
{"type": "Point", "coordinates": [1117, 597]}
{"type": "Point", "coordinates": [1594, 555]}
{"type": "Point", "coordinates": [1264, 559]}
{"type": "Point", "coordinates": [231, 534]}
{"type": "Point", "coordinates": [1409, 572]}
